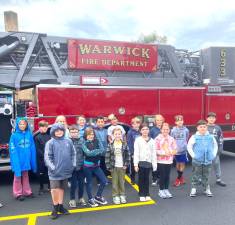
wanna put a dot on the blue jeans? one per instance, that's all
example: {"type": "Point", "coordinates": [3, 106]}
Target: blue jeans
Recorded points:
{"type": "Point", "coordinates": [77, 181]}
{"type": "Point", "coordinates": [97, 171]}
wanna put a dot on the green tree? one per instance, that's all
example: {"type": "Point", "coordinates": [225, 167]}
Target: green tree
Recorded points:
{"type": "Point", "coordinates": [152, 38]}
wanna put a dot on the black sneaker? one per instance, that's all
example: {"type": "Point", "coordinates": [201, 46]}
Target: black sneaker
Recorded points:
{"type": "Point", "coordinates": [92, 203]}
{"type": "Point", "coordinates": [100, 200]}
{"type": "Point", "coordinates": [221, 183]}
{"type": "Point", "coordinates": [20, 198]}
{"type": "Point", "coordinates": [63, 210]}
{"type": "Point", "coordinates": [54, 214]}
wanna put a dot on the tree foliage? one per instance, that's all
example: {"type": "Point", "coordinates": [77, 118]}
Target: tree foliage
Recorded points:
{"type": "Point", "coordinates": [153, 37]}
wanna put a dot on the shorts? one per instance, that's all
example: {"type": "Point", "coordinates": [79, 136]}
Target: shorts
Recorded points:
{"type": "Point", "coordinates": [58, 184]}
{"type": "Point", "coordinates": [181, 158]}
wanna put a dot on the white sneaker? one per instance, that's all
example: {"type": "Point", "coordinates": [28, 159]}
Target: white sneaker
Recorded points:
{"type": "Point", "coordinates": [154, 183]}
{"type": "Point", "coordinates": [148, 198]}
{"type": "Point", "coordinates": [82, 202]}
{"type": "Point", "coordinates": [208, 192]}
{"type": "Point", "coordinates": [72, 203]}
{"type": "Point", "coordinates": [142, 199]}
{"type": "Point", "coordinates": [162, 194]}
{"type": "Point", "coordinates": [123, 199]}
{"type": "Point", "coordinates": [1, 205]}
{"type": "Point", "coordinates": [167, 193]}
{"type": "Point", "coordinates": [116, 200]}
{"type": "Point", "coordinates": [193, 192]}
{"type": "Point", "coordinates": [69, 184]}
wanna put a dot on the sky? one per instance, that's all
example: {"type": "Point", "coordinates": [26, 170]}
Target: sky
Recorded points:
{"type": "Point", "coordinates": [188, 24]}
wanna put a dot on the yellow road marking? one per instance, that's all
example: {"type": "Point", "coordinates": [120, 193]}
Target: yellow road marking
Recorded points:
{"type": "Point", "coordinates": [32, 218]}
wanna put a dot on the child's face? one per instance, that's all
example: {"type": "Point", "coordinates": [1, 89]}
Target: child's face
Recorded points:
{"type": "Point", "coordinates": [165, 130]}
{"type": "Point", "coordinates": [117, 135]}
{"type": "Point", "coordinates": [202, 129]}
{"type": "Point", "coordinates": [100, 123]}
{"type": "Point", "coordinates": [59, 133]}
{"type": "Point", "coordinates": [114, 122]}
{"type": "Point", "coordinates": [74, 133]}
{"type": "Point", "coordinates": [43, 130]}
{"type": "Point", "coordinates": [179, 123]}
{"type": "Point", "coordinates": [159, 121]}
{"type": "Point", "coordinates": [81, 121]}
{"type": "Point", "coordinates": [211, 119]}
{"type": "Point", "coordinates": [22, 125]}
{"type": "Point", "coordinates": [62, 121]}
{"type": "Point", "coordinates": [144, 131]}
{"type": "Point", "coordinates": [90, 137]}
{"type": "Point", "coordinates": [135, 125]}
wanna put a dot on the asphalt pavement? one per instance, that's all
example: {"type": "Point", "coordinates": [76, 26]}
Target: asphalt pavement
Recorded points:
{"type": "Point", "coordinates": [180, 210]}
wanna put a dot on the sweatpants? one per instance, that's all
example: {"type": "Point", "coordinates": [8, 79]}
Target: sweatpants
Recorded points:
{"type": "Point", "coordinates": [164, 172]}
{"type": "Point", "coordinates": [144, 181]}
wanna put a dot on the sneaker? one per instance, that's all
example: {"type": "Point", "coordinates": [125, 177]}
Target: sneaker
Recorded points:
{"type": "Point", "coordinates": [1, 205]}
{"type": "Point", "coordinates": [54, 214]}
{"type": "Point", "coordinates": [162, 194]}
{"type": "Point", "coordinates": [182, 180]}
{"type": "Point", "coordinates": [193, 192]}
{"type": "Point", "coordinates": [148, 198]}
{"type": "Point", "coordinates": [92, 203]}
{"type": "Point", "coordinates": [154, 183]}
{"type": "Point", "coordinates": [41, 191]}
{"type": "Point", "coordinates": [116, 200]}
{"type": "Point", "coordinates": [123, 199]}
{"type": "Point", "coordinates": [109, 177]}
{"type": "Point", "coordinates": [69, 184]}
{"type": "Point", "coordinates": [100, 200]}
{"type": "Point", "coordinates": [63, 210]}
{"type": "Point", "coordinates": [208, 192]}
{"type": "Point", "coordinates": [142, 199]}
{"type": "Point", "coordinates": [82, 202]}
{"type": "Point", "coordinates": [167, 193]}
{"type": "Point", "coordinates": [177, 182]}
{"type": "Point", "coordinates": [221, 183]}
{"type": "Point", "coordinates": [20, 198]}
{"type": "Point", "coordinates": [72, 203]}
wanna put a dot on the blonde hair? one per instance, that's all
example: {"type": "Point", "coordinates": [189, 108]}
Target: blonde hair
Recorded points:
{"type": "Point", "coordinates": [135, 120]}
{"type": "Point", "coordinates": [116, 129]}
{"type": "Point", "coordinates": [61, 117]}
{"type": "Point", "coordinates": [112, 117]}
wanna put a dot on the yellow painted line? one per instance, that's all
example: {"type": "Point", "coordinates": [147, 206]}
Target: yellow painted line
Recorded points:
{"type": "Point", "coordinates": [33, 216]}
{"type": "Point", "coordinates": [32, 220]}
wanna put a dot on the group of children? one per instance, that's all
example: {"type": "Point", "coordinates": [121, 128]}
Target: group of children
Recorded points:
{"type": "Point", "coordinates": [74, 154]}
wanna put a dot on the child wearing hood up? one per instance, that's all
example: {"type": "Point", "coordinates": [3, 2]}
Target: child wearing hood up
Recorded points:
{"type": "Point", "coordinates": [22, 158]}
{"type": "Point", "coordinates": [60, 159]}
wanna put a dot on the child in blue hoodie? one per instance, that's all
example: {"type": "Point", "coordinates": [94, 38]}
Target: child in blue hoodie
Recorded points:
{"type": "Point", "coordinates": [22, 158]}
{"type": "Point", "coordinates": [60, 158]}
{"type": "Point", "coordinates": [202, 147]}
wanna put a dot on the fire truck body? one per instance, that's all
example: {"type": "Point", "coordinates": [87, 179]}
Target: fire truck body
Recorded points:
{"type": "Point", "coordinates": [92, 77]}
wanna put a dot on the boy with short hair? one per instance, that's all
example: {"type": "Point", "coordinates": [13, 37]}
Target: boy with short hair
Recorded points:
{"type": "Point", "coordinates": [102, 135]}
{"type": "Point", "coordinates": [77, 180]}
{"type": "Point", "coordinates": [60, 160]}
{"type": "Point", "coordinates": [114, 124]}
{"type": "Point", "coordinates": [132, 134]}
{"type": "Point", "coordinates": [181, 134]}
{"type": "Point", "coordinates": [81, 125]}
{"type": "Point", "coordinates": [40, 141]}
{"type": "Point", "coordinates": [154, 132]}
{"type": "Point", "coordinates": [216, 131]}
{"type": "Point", "coordinates": [202, 147]}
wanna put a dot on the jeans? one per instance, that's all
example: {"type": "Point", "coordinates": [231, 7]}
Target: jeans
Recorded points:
{"type": "Point", "coordinates": [21, 185]}
{"type": "Point", "coordinates": [77, 181]}
{"type": "Point", "coordinates": [144, 181]}
{"type": "Point", "coordinates": [217, 168]}
{"type": "Point", "coordinates": [97, 171]}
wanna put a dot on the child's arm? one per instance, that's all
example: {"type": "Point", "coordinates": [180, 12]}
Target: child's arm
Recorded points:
{"type": "Point", "coordinates": [73, 155]}
{"type": "Point", "coordinates": [33, 160]}
{"type": "Point", "coordinates": [154, 157]}
{"type": "Point", "coordinates": [15, 163]}
{"type": "Point", "coordinates": [94, 152]}
{"type": "Point", "coordinates": [215, 147]}
{"type": "Point", "coordinates": [190, 145]}
{"type": "Point", "coordinates": [127, 157]}
{"type": "Point", "coordinates": [221, 139]}
{"type": "Point", "coordinates": [107, 157]}
{"type": "Point", "coordinates": [173, 147]}
{"type": "Point", "coordinates": [136, 155]}
{"type": "Point", "coordinates": [49, 156]}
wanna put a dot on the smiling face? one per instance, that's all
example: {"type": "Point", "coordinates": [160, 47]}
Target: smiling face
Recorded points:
{"type": "Point", "coordinates": [165, 130]}
{"type": "Point", "coordinates": [74, 133]}
{"type": "Point", "coordinates": [211, 120]}
{"type": "Point", "coordinates": [202, 129]}
{"type": "Point", "coordinates": [90, 136]}
{"type": "Point", "coordinates": [43, 130]}
{"type": "Point", "coordinates": [144, 131]}
{"type": "Point", "coordinates": [117, 133]}
{"type": "Point", "coordinates": [22, 125]}
{"type": "Point", "coordinates": [81, 121]}
{"type": "Point", "coordinates": [59, 133]}
{"type": "Point", "coordinates": [100, 123]}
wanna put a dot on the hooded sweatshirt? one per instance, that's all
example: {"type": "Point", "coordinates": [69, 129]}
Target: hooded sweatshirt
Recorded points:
{"type": "Point", "coordinates": [59, 155]}
{"type": "Point", "coordinates": [22, 150]}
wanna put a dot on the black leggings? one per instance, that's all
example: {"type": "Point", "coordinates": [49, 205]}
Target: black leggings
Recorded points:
{"type": "Point", "coordinates": [164, 172]}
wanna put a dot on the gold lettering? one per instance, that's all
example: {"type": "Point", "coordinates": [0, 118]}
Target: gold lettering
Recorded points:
{"type": "Point", "coordinates": [134, 52]}
{"type": "Point", "coordinates": [145, 53]}
{"type": "Point", "coordinates": [84, 49]}
{"type": "Point", "coordinates": [107, 50]}
{"type": "Point", "coordinates": [96, 49]}
{"type": "Point", "coordinates": [118, 50]}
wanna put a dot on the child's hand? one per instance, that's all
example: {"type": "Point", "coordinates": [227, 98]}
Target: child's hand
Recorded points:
{"type": "Point", "coordinates": [174, 152]}
{"type": "Point", "coordinates": [124, 167]}
{"type": "Point", "coordinates": [136, 169]}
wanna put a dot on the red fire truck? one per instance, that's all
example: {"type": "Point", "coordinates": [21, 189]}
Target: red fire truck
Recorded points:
{"type": "Point", "coordinates": [93, 77]}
